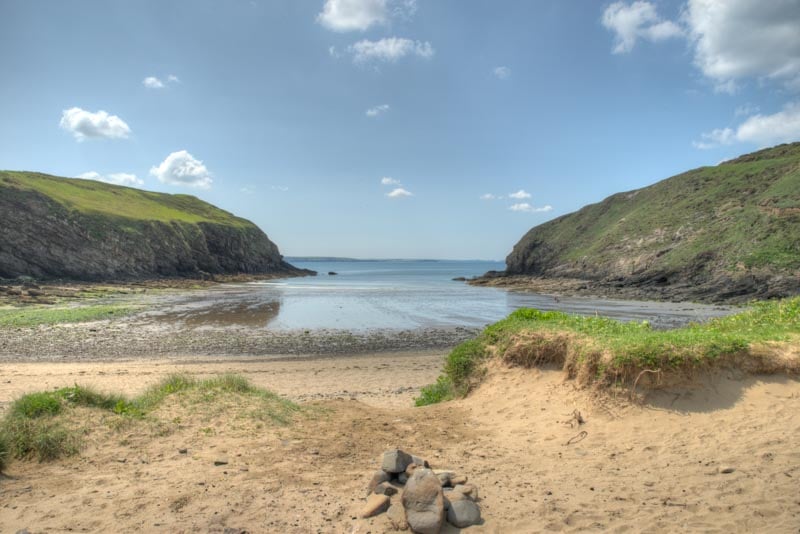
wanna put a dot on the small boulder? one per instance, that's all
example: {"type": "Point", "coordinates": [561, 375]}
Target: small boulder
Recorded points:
{"type": "Point", "coordinates": [384, 488]}
{"type": "Point", "coordinates": [395, 461]}
{"type": "Point", "coordinates": [470, 490]}
{"type": "Point", "coordinates": [419, 461]}
{"type": "Point", "coordinates": [463, 513]}
{"type": "Point", "coordinates": [397, 517]}
{"type": "Point", "coordinates": [375, 505]}
{"type": "Point", "coordinates": [456, 480]}
{"type": "Point", "coordinates": [424, 503]}
{"type": "Point", "coordinates": [444, 478]}
{"type": "Point", "coordinates": [378, 478]}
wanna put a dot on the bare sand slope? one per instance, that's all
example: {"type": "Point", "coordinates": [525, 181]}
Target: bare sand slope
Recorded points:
{"type": "Point", "coordinates": [657, 468]}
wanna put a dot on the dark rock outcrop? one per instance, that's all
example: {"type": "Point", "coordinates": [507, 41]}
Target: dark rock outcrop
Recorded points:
{"type": "Point", "coordinates": [729, 233]}
{"type": "Point", "coordinates": [42, 237]}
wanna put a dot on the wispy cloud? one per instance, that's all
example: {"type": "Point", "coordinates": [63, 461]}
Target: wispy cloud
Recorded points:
{"type": "Point", "coordinates": [360, 15]}
{"type": "Point", "coordinates": [489, 196]}
{"type": "Point", "coordinates": [638, 20]}
{"type": "Point", "coordinates": [520, 195]}
{"type": "Point", "coordinates": [117, 178]}
{"type": "Point", "coordinates": [502, 72]}
{"type": "Point", "coordinates": [99, 125]}
{"type": "Point", "coordinates": [181, 168]}
{"type": "Point", "coordinates": [761, 130]}
{"type": "Point", "coordinates": [527, 208]}
{"type": "Point", "coordinates": [152, 82]}
{"type": "Point", "coordinates": [389, 181]}
{"type": "Point", "coordinates": [377, 110]}
{"type": "Point", "coordinates": [399, 193]}
{"type": "Point", "coordinates": [389, 49]}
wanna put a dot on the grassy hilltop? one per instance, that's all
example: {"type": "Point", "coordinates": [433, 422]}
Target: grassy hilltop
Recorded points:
{"type": "Point", "coordinates": [53, 227]}
{"type": "Point", "coordinates": [715, 233]}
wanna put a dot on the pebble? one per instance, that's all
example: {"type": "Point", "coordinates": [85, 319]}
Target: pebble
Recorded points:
{"type": "Point", "coordinates": [384, 488]}
{"type": "Point", "coordinates": [222, 460]}
{"type": "Point", "coordinates": [728, 470]}
{"type": "Point", "coordinates": [375, 505]}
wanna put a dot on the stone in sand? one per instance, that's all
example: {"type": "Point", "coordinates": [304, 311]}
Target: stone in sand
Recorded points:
{"type": "Point", "coordinates": [395, 461]}
{"type": "Point", "coordinates": [378, 478]}
{"type": "Point", "coordinates": [397, 517]}
{"type": "Point", "coordinates": [452, 496]}
{"type": "Point", "coordinates": [424, 502]}
{"type": "Point", "coordinates": [221, 460]}
{"type": "Point", "coordinates": [375, 505]}
{"type": "Point", "coordinates": [419, 461]}
{"type": "Point", "coordinates": [456, 480]}
{"type": "Point", "coordinates": [463, 513]}
{"type": "Point", "coordinates": [384, 488]}
{"type": "Point", "coordinates": [470, 490]}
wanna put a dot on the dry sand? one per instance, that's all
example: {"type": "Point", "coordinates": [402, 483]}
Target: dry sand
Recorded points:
{"type": "Point", "coordinates": [656, 467]}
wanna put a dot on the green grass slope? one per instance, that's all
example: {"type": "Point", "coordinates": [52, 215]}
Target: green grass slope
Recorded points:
{"type": "Point", "coordinates": [709, 227]}
{"type": "Point", "coordinates": [93, 197]}
{"type": "Point", "coordinates": [53, 227]}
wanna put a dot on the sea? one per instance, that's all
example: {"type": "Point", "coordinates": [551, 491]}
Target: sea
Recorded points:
{"type": "Point", "coordinates": [362, 295]}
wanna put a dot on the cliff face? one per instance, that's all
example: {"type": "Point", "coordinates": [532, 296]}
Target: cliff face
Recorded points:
{"type": "Point", "coordinates": [724, 233]}
{"type": "Point", "coordinates": [63, 228]}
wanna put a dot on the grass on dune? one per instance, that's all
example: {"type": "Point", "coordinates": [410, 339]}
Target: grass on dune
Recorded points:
{"type": "Point", "coordinates": [41, 315]}
{"type": "Point", "coordinates": [609, 352]}
{"type": "Point", "coordinates": [35, 425]}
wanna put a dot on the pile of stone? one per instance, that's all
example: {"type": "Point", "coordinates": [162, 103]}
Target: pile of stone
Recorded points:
{"type": "Point", "coordinates": [419, 498]}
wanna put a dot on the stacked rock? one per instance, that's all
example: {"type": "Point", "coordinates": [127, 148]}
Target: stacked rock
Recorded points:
{"type": "Point", "coordinates": [428, 496]}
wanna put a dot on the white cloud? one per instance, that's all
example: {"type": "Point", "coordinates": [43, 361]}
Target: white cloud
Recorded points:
{"type": "Point", "coordinates": [181, 168]}
{"type": "Point", "coordinates": [117, 178]}
{"type": "Point", "coordinates": [502, 72]}
{"type": "Point", "coordinates": [519, 195]}
{"type": "Point", "coordinates": [377, 110]}
{"type": "Point", "coordinates": [389, 181]}
{"type": "Point", "coordinates": [399, 193]}
{"type": "Point", "coordinates": [738, 39]}
{"type": "Point", "coordinates": [760, 130]}
{"type": "Point", "coordinates": [151, 82]}
{"type": "Point", "coordinates": [639, 20]}
{"type": "Point", "coordinates": [85, 124]}
{"type": "Point", "coordinates": [525, 207]}
{"type": "Point", "coordinates": [360, 15]}
{"type": "Point", "coordinates": [745, 110]}
{"type": "Point", "coordinates": [389, 49]}
{"type": "Point", "coordinates": [488, 196]}
{"type": "Point", "coordinates": [349, 15]}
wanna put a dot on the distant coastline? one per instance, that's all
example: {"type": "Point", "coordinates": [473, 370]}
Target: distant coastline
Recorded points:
{"type": "Point", "coordinates": [394, 260]}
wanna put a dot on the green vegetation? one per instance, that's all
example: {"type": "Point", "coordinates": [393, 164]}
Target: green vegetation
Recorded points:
{"type": "Point", "coordinates": [611, 353]}
{"type": "Point", "coordinates": [92, 197]}
{"type": "Point", "coordinates": [38, 425]}
{"type": "Point", "coordinates": [741, 214]}
{"type": "Point", "coordinates": [39, 315]}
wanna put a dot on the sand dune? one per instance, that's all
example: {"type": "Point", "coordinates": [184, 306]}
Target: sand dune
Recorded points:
{"type": "Point", "coordinates": [657, 467]}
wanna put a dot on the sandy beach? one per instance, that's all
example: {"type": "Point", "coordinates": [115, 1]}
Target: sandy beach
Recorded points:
{"type": "Point", "coordinates": [719, 456]}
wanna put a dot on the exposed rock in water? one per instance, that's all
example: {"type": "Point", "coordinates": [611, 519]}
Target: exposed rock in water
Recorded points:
{"type": "Point", "coordinates": [54, 227]}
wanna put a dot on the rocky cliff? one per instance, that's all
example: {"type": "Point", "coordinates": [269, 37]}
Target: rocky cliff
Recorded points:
{"type": "Point", "coordinates": [54, 227]}
{"type": "Point", "coordinates": [724, 233]}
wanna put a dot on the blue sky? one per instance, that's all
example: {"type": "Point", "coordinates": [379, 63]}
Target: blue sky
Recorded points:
{"type": "Point", "coordinates": [485, 118]}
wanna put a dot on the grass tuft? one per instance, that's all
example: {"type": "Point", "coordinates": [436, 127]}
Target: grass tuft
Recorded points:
{"type": "Point", "coordinates": [35, 316]}
{"type": "Point", "coordinates": [609, 352]}
{"type": "Point", "coordinates": [35, 427]}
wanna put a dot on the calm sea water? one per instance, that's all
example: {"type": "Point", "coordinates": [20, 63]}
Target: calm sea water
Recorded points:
{"type": "Point", "coordinates": [395, 295]}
